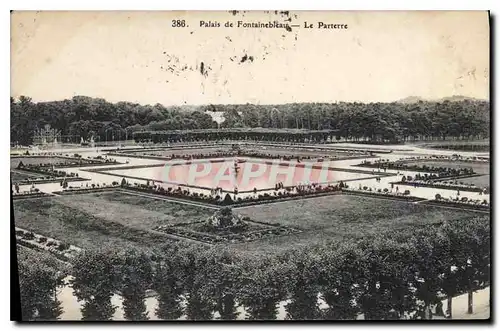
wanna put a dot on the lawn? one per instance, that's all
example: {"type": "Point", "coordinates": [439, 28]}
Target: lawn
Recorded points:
{"type": "Point", "coordinates": [23, 175]}
{"type": "Point", "coordinates": [480, 168]}
{"type": "Point", "coordinates": [342, 217]}
{"type": "Point", "coordinates": [117, 219]}
{"type": "Point", "coordinates": [479, 181]}
{"type": "Point", "coordinates": [110, 219]}
{"type": "Point", "coordinates": [461, 145]}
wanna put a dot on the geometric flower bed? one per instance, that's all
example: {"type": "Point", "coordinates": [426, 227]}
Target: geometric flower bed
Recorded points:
{"type": "Point", "coordinates": [242, 153]}
{"type": "Point", "coordinates": [51, 175]}
{"type": "Point", "coordinates": [443, 185]}
{"type": "Point", "coordinates": [62, 250]}
{"type": "Point", "coordinates": [28, 195]}
{"type": "Point", "coordinates": [480, 204]}
{"type": "Point", "coordinates": [442, 172]}
{"type": "Point", "coordinates": [60, 161]}
{"type": "Point", "coordinates": [226, 199]}
{"type": "Point", "coordinates": [216, 230]}
{"type": "Point", "coordinates": [383, 193]}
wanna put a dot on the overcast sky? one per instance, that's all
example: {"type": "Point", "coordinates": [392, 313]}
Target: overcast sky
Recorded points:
{"type": "Point", "coordinates": [139, 57]}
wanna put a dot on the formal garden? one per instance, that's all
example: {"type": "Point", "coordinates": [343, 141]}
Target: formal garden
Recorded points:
{"type": "Point", "coordinates": [354, 278]}
{"type": "Point", "coordinates": [233, 149]}
{"type": "Point", "coordinates": [451, 173]}
{"type": "Point", "coordinates": [352, 248]}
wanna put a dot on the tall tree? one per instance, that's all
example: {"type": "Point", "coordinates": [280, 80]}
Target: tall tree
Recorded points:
{"type": "Point", "coordinates": [95, 280]}
{"type": "Point", "coordinates": [136, 277]}
{"type": "Point", "coordinates": [38, 291]}
{"type": "Point", "coordinates": [263, 287]}
{"type": "Point", "coordinates": [168, 282]}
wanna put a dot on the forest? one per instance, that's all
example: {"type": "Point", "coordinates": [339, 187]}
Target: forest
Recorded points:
{"type": "Point", "coordinates": [83, 117]}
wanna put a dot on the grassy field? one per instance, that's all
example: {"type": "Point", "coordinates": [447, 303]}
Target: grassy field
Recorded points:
{"type": "Point", "coordinates": [103, 219]}
{"type": "Point", "coordinates": [461, 145]}
{"type": "Point", "coordinates": [22, 175]}
{"type": "Point", "coordinates": [341, 217]}
{"type": "Point", "coordinates": [479, 181]}
{"type": "Point", "coordinates": [480, 168]}
{"type": "Point", "coordinates": [116, 219]}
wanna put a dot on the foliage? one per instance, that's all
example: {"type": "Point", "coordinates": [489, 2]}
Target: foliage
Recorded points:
{"type": "Point", "coordinates": [38, 291]}
{"type": "Point", "coordinates": [303, 285]}
{"type": "Point", "coordinates": [337, 279]}
{"type": "Point", "coordinates": [263, 287]}
{"type": "Point", "coordinates": [84, 116]}
{"type": "Point", "coordinates": [96, 279]}
{"type": "Point", "coordinates": [168, 282]}
{"type": "Point", "coordinates": [136, 277]}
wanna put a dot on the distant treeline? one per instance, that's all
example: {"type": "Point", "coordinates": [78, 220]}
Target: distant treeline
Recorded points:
{"type": "Point", "coordinates": [376, 122]}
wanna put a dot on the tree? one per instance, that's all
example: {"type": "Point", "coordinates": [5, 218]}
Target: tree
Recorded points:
{"type": "Point", "coordinates": [263, 287]}
{"type": "Point", "coordinates": [225, 274]}
{"type": "Point", "coordinates": [168, 282]}
{"type": "Point", "coordinates": [136, 277]}
{"type": "Point", "coordinates": [429, 265]}
{"type": "Point", "coordinates": [95, 280]}
{"type": "Point", "coordinates": [386, 279]}
{"type": "Point", "coordinates": [303, 285]}
{"type": "Point", "coordinates": [339, 269]}
{"type": "Point", "coordinates": [39, 285]}
{"type": "Point", "coordinates": [479, 263]}
{"type": "Point", "coordinates": [200, 290]}
{"type": "Point", "coordinates": [469, 246]}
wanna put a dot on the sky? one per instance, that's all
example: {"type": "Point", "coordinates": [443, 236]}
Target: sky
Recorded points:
{"type": "Point", "coordinates": [140, 57]}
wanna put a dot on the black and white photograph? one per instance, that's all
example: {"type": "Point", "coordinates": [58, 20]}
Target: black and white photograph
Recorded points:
{"type": "Point", "coordinates": [241, 165]}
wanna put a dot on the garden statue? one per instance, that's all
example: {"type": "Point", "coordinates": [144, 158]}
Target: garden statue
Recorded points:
{"type": "Point", "coordinates": [224, 219]}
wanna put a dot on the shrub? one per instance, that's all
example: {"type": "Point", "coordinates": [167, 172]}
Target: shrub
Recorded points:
{"type": "Point", "coordinates": [386, 190]}
{"type": "Point", "coordinates": [365, 188]}
{"type": "Point", "coordinates": [63, 246]}
{"type": "Point", "coordinates": [42, 240]}
{"type": "Point", "coordinates": [93, 185]}
{"type": "Point", "coordinates": [437, 196]}
{"type": "Point", "coordinates": [407, 192]}
{"type": "Point", "coordinates": [29, 236]}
